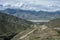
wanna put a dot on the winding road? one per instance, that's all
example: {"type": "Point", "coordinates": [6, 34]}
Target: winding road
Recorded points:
{"type": "Point", "coordinates": [24, 34]}
{"type": "Point", "coordinates": [27, 34]}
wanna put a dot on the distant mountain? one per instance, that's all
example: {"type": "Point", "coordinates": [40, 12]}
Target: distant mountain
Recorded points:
{"type": "Point", "coordinates": [32, 15]}
{"type": "Point", "coordinates": [1, 5]}
{"type": "Point", "coordinates": [10, 11]}
{"type": "Point", "coordinates": [11, 25]}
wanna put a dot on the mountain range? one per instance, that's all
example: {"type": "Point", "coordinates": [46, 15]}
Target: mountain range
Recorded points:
{"type": "Point", "coordinates": [32, 15]}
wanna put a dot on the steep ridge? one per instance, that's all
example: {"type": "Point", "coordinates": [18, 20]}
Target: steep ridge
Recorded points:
{"type": "Point", "coordinates": [10, 25]}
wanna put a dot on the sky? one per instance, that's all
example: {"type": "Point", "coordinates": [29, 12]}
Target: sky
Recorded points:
{"type": "Point", "coordinates": [46, 5]}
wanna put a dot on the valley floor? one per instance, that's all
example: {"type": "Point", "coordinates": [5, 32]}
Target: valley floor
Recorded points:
{"type": "Point", "coordinates": [38, 33]}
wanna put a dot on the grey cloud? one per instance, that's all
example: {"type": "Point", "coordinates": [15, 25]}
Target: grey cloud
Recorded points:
{"type": "Point", "coordinates": [33, 4]}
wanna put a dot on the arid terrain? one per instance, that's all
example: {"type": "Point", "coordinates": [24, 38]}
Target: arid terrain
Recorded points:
{"type": "Point", "coordinates": [39, 33]}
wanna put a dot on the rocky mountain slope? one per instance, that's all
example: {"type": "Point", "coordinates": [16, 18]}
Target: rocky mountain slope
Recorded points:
{"type": "Point", "coordinates": [10, 25]}
{"type": "Point", "coordinates": [54, 23]}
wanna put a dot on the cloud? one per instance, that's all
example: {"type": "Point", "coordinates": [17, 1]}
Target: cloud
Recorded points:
{"type": "Point", "coordinates": [47, 5]}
